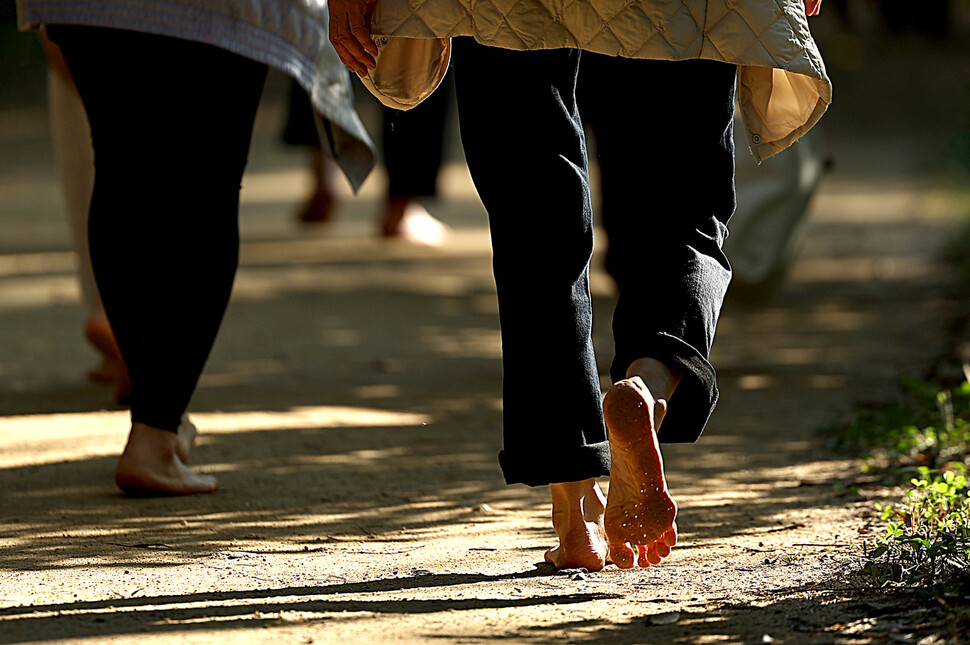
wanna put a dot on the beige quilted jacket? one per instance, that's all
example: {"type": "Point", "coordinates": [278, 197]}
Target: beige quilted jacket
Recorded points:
{"type": "Point", "coordinates": [783, 89]}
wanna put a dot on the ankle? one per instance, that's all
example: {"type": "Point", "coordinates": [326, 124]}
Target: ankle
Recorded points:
{"type": "Point", "coordinates": [147, 441]}
{"type": "Point", "coordinates": [395, 208]}
{"type": "Point", "coordinates": [582, 498]}
{"type": "Point", "coordinates": [659, 378]}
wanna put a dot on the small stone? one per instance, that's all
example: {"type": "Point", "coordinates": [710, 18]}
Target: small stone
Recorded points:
{"type": "Point", "coordinates": [668, 618]}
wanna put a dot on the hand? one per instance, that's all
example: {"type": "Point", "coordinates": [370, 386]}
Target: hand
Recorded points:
{"type": "Point", "coordinates": [813, 7]}
{"type": "Point", "coordinates": [350, 34]}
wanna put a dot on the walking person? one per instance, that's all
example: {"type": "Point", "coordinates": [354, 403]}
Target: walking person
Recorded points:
{"type": "Point", "coordinates": [170, 90]}
{"type": "Point", "coordinates": [75, 165]}
{"type": "Point", "coordinates": [521, 129]}
{"type": "Point", "coordinates": [413, 146]}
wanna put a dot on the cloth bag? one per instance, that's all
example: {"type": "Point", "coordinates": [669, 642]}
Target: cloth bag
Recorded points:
{"type": "Point", "coordinates": [408, 69]}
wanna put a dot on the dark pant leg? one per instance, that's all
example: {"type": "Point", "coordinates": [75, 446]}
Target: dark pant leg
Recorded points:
{"type": "Point", "coordinates": [300, 128]}
{"type": "Point", "coordinates": [171, 123]}
{"type": "Point", "coordinates": [413, 144]}
{"type": "Point", "coordinates": [526, 152]}
{"type": "Point", "coordinates": [664, 138]}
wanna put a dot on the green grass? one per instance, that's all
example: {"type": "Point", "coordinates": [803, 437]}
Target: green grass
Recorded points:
{"type": "Point", "coordinates": [926, 544]}
{"type": "Point", "coordinates": [926, 426]}
{"type": "Point", "coordinates": [921, 549]}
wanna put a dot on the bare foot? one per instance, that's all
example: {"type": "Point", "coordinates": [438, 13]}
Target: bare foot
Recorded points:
{"type": "Point", "coordinates": [150, 466]}
{"type": "Point", "coordinates": [639, 511]}
{"type": "Point", "coordinates": [185, 439]}
{"type": "Point", "coordinates": [322, 204]}
{"type": "Point", "coordinates": [112, 370]}
{"type": "Point", "coordinates": [577, 516]}
{"type": "Point", "coordinates": [409, 221]}
{"type": "Point", "coordinates": [318, 210]}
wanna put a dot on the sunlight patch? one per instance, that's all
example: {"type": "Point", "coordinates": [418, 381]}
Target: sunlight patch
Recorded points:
{"type": "Point", "coordinates": [51, 438]}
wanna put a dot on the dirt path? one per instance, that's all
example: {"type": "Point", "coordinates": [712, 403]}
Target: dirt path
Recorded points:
{"type": "Point", "coordinates": [351, 413]}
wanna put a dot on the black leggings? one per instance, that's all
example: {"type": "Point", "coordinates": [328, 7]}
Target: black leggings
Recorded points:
{"type": "Point", "coordinates": [171, 121]}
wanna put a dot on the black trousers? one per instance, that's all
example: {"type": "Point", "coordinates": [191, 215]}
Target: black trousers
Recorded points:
{"type": "Point", "coordinates": [171, 122]}
{"type": "Point", "coordinates": [664, 134]}
{"type": "Point", "coordinates": [413, 140]}
{"type": "Point", "coordinates": [414, 143]}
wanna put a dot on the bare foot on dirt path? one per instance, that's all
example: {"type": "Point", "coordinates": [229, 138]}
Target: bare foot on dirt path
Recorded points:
{"type": "Point", "coordinates": [153, 463]}
{"type": "Point", "coordinates": [639, 511]}
{"type": "Point", "coordinates": [408, 221]}
{"type": "Point", "coordinates": [577, 517]}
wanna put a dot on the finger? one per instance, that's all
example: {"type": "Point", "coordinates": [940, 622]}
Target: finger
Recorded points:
{"type": "Point", "coordinates": [353, 48]}
{"type": "Point", "coordinates": [337, 39]}
{"type": "Point", "coordinates": [663, 550]}
{"type": "Point", "coordinates": [352, 63]}
{"type": "Point", "coordinates": [353, 56]}
{"type": "Point", "coordinates": [652, 556]}
{"type": "Point", "coordinates": [347, 34]}
{"type": "Point", "coordinates": [357, 37]}
{"type": "Point", "coordinates": [362, 34]}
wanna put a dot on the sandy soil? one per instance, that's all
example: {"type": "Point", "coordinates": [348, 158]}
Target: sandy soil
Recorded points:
{"type": "Point", "coordinates": [351, 411]}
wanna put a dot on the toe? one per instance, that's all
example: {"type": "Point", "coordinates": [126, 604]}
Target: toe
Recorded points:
{"type": "Point", "coordinates": [642, 556]}
{"type": "Point", "coordinates": [622, 555]}
{"type": "Point", "coordinates": [551, 556]}
{"type": "Point", "coordinates": [670, 537]}
{"type": "Point", "coordinates": [652, 556]}
{"type": "Point", "coordinates": [662, 549]}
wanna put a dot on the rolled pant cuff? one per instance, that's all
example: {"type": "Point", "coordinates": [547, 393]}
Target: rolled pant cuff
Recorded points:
{"type": "Point", "coordinates": [577, 464]}
{"type": "Point", "coordinates": [696, 396]}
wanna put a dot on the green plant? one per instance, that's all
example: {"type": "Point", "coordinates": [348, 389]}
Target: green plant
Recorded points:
{"type": "Point", "coordinates": [927, 539]}
{"type": "Point", "coordinates": [791, 559]}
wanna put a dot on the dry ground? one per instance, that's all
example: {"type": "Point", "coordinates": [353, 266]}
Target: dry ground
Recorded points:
{"type": "Point", "coordinates": [351, 412]}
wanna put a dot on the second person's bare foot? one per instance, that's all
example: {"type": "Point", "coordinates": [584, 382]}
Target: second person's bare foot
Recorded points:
{"type": "Point", "coordinates": [319, 209]}
{"type": "Point", "coordinates": [112, 370]}
{"type": "Point", "coordinates": [640, 512]}
{"type": "Point", "coordinates": [408, 221]}
{"type": "Point", "coordinates": [577, 517]}
{"type": "Point", "coordinates": [150, 466]}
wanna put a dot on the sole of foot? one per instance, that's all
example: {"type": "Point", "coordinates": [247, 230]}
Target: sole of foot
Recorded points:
{"type": "Point", "coordinates": [640, 512]}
